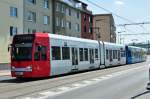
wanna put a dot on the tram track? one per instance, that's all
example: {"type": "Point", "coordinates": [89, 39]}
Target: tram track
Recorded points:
{"type": "Point", "coordinates": [13, 90]}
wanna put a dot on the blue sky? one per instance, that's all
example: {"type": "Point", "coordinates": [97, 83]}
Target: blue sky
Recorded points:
{"type": "Point", "coordinates": [134, 10]}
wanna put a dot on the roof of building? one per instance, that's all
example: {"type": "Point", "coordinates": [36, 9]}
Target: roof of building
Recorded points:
{"type": "Point", "coordinates": [106, 14]}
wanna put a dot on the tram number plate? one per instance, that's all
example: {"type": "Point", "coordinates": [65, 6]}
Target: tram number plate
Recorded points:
{"type": "Point", "coordinates": [19, 73]}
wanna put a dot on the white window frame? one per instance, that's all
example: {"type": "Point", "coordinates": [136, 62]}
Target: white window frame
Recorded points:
{"type": "Point", "coordinates": [46, 4]}
{"type": "Point", "coordinates": [63, 23]}
{"type": "Point", "coordinates": [77, 27]}
{"type": "Point", "coordinates": [13, 12]}
{"type": "Point", "coordinates": [46, 20]}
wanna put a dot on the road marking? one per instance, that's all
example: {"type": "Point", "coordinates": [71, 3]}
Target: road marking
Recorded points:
{"type": "Point", "coordinates": [77, 85]}
{"type": "Point", "coordinates": [64, 88]}
{"type": "Point", "coordinates": [81, 84]}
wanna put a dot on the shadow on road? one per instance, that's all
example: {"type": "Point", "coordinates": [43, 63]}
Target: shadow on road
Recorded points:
{"type": "Point", "coordinates": [141, 94]}
{"type": "Point", "coordinates": [22, 80]}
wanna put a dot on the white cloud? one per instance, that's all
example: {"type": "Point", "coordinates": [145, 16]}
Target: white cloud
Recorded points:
{"type": "Point", "coordinates": [119, 2]}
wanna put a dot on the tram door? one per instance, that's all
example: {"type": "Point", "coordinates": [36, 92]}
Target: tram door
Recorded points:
{"type": "Point", "coordinates": [74, 58]}
{"type": "Point", "coordinates": [91, 56]}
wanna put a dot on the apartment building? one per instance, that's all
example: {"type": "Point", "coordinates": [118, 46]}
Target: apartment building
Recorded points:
{"type": "Point", "coordinates": [67, 17]}
{"type": "Point", "coordinates": [104, 27]}
{"type": "Point", "coordinates": [86, 23]}
{"type": "Point", "coordinates": [11, 18]}
{"type": "Point", "coordinates": [37, 16]}
{"type": "Point", "coordinates": [22, 16]}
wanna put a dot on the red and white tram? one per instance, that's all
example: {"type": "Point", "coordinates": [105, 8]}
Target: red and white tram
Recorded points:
{"type": "Point", "coordinates": [43, 55]}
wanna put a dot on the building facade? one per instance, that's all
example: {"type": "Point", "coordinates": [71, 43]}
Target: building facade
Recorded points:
{"type": "Point", "coordinates": [104, 27]}
{"type": "Point", "coordinates": [11, 18]}
{"type": "Point", "coordinates": [86, 23]}
{"type": "Point", "coordinates": [22, 16]}
{"type": "Point", "coordinates": [67, 17]}
{"type": "Point", "coordinates": [37, 16]}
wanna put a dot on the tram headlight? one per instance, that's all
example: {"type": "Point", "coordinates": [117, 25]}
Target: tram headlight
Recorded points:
{"type": "Point", "coordinates": [29, 68]}
{"type": "Point", "coordinates": [12, 68]}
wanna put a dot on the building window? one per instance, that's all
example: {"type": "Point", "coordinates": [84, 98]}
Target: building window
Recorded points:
{"type": "Point", "coordinates": [58, 7]}
{"type": "Point", "coordinates": [90, 19]}
{"type": "Point", "coordinates": [31, 16]}
{"type": "Point", "coordinates": [62, 23]}
{"type": "Point", "coordinates": [84, 29]}
{"type": "Point", "coordinates": [90, 30]}
{"type": "Point", "coordinates": [69, 12]}
{"type": "Point", "coordinates": [13, 31]}
{"type": "Point", "coordinates": [77, 27]}
{"type": "Point", "coordinates": [46, 4]}
{"type": "Point", "coordinates": [68, 25]}
{"type": "Point", "coordinates": [84, 17]}
{"type": "Point", "coordinates": [57, 21]}
{"type": "Point", "coordinates": [78, 15]}
{"type": "Point", "coordinates": [46, 20]}
{"type": "Point", "coordinates": [13, 12]}
{"type": "Point", "coordinates": [63, 10]}
{"type": "Point", "coordinates": [32, 1]}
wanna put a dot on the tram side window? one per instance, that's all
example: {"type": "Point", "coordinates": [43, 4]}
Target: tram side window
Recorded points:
{"type": "Point", "coordinates": [110, 55]}
{"type": "Point", "coordinates": [81, 54]}
{"type": "Point", "coordinates": [65, 53]}
{"type": "Point", "coordinates": [86, 54]}
{"type": "Point", "coordinates": [119, 55]}
{"type": "Point", "coordinates": [114, 57]}
{"type": "Point", "coordinates": [43, 53]}
{"type": "Point", "coordinates": [107, 54]}
{"type": "Point", "coordinates": [36, 54]}
{"type": "Point", "coordinates": [56, 53]}
{"type": "Point", "coordinates": [123, 54]}
{"type": "Point", "coordinates": [116, 54]}
{"type": "Point", "coordinates": [96, 53]}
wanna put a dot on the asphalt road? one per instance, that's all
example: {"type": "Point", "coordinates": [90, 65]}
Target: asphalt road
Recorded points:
{"type": "Point", "coordinates": [130, 85]}
{"type": "Point", "coordinates": [124, 82]}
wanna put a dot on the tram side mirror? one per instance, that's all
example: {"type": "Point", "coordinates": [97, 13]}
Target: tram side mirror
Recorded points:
{"type": "Point", "coordinates": [9, 47]}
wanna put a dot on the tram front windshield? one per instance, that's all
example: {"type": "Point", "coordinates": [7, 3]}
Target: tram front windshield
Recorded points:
{"type": "Point", "coordinates": [22, 52]}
